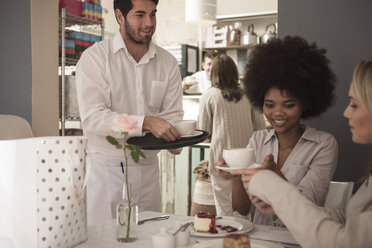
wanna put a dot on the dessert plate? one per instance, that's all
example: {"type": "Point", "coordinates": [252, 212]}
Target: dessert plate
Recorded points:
{"type": "Point", "coordinates": [225, 168]}
{"type": "Point", "coordinates": [218, 243]}
{"type": "Point", "coordinates": [242, 225]}
{"type": "Point", "coordinates": [196, 133]}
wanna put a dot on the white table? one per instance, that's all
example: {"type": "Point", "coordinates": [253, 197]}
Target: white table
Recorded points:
{"type": "Point", "coordinates": [104, 235]}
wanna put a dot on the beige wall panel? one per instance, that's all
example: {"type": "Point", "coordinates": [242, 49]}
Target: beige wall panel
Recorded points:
{"type": "Point", "coordinates": [44, 44]}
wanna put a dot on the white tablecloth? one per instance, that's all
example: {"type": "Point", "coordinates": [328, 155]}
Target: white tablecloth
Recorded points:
{"type": "Point", "coordinates": [104, 235]}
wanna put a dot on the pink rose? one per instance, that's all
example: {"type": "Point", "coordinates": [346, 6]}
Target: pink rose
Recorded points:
{"type": "Point", "coordinates": [124, 123]}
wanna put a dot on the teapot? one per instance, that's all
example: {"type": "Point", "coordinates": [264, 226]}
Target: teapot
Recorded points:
{"type": "Point", "coordinates": [234, 34]}
{"type": "Point", "coordinates": [269, 34]}
{"type": "Point", "coordinates": [249, 37]}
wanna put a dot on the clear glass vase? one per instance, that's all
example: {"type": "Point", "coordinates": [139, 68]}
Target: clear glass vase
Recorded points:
{"type": "Point", "coordinates": [126, 217]}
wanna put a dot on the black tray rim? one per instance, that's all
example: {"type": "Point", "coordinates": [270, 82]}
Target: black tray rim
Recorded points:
{"type": "Point", "coordinates": [183, 142]}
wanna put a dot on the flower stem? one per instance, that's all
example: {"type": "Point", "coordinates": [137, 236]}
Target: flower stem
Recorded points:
{"type": "Point", "coordinates": [126, 182]}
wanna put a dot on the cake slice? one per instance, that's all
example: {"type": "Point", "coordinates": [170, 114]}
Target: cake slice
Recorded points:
{"type": "Point", "coordinates": [204, 222]}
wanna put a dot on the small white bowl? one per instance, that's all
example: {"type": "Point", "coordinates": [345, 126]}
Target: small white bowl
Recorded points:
{"type": "Point", "coordinates": [183, 238]}
{"type": "Point", "coordinates": [163, 239]}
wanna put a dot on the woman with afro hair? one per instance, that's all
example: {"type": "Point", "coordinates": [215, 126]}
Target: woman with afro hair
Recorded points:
{"type": "Point", "coordinates": [289, 80]}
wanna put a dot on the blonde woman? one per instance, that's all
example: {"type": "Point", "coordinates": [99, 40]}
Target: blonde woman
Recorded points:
{"type": "Point", "coordinates": [311, 225]}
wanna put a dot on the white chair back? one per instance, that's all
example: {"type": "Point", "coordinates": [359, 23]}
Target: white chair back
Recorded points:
{"type": "Point", "coordinates": [14, 127]}
{"type": "Point", "coordinates": [339, 194]}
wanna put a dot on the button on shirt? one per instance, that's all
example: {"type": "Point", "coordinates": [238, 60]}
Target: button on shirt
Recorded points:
{"type": "Point", "coordinates": [310, 165]}
{"type": "Point", "coordinates": [110, 82]}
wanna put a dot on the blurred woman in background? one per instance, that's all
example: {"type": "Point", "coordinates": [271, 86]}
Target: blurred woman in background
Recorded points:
{"type": "Point", "coordinates": [227, 115]}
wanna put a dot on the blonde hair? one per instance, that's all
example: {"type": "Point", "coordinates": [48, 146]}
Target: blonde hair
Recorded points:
{"type": "Point", "coordinates": [362, 85]}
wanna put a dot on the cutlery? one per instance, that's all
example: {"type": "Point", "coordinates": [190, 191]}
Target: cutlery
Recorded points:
{"type": "Point", "coordinates": [163, 217]}
{"type": "Point", "coordinates": [285, 244]}
{"type": "Point", "coordinates": [183, 227]}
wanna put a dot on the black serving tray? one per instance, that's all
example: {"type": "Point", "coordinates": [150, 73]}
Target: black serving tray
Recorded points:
{"type": "Point", "coordinates": [150, 142]}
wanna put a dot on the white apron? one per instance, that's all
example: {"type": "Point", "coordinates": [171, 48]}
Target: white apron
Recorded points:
{"type": "Point", "coordinates": [105, 184]}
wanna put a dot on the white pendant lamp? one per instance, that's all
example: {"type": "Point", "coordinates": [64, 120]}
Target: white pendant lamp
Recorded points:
{"type": "Point", "coordinates": [202, 12]}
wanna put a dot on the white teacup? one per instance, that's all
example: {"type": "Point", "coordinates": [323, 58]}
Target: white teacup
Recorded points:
{"type": "Point", "coordinates": [238, 157]}
{"type": "Point", "coordinates": [190, 80]}
{"type": "Point", "coordinates": [185, 127]}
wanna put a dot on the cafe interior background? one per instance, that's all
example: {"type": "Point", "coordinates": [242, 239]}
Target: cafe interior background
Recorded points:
{"type": "Point", "coordinates": [30, 68]}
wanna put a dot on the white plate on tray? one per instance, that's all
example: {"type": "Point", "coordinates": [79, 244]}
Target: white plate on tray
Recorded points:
{"type": "Point", "coordinates": [242, 225]}
{"type": "Point", "coordinates": [196, 133]}
{"type": "Point", "coordinates": [225, 168]}
{"type": "Point", "coordinates": [218, 243]}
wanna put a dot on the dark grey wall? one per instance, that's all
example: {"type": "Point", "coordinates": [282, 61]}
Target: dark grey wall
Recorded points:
{"type": "Point", "coordinates": [15, 59]}
{"type": "Point", "coordinates": [344, 28]}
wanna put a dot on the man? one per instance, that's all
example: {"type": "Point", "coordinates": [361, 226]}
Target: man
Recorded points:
{"type": "Point", "coordinates": [202, 77]}
{"type": "Point", "coordinates": [129, 74]}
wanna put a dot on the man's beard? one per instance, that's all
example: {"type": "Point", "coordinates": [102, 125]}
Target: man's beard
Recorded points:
{"type": "Point", "coordinates": [131, 34]}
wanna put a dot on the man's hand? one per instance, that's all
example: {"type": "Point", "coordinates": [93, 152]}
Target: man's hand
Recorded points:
{"type": "Point", "coordinates": [186, 86]}
{"type": "Point", "coordinates": [160, 128]}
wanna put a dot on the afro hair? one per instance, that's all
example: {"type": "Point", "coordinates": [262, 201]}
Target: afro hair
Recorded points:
{"type": "Point", "coordinates": [293, 65]}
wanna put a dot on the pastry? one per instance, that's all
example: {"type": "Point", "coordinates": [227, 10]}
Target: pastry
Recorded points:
{"type": "Point", "coordinates": [236, 241]}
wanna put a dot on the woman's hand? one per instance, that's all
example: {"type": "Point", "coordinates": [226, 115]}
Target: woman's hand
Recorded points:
{"type": "Point", "coordinates": [263, 207]}
{"type": "Point", "coordinates": [224, 174]}
{"type": "Point", "coordinates": [247, 174]}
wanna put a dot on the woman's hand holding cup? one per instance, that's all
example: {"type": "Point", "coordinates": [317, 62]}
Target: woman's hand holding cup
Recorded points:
{"type": "Point", "coordinates": [247, 174]}
{"type": "Point", "coordinates": [224, 174]}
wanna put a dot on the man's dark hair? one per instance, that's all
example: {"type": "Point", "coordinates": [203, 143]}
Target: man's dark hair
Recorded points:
{"type": "Point", "coordinates": [211, 54]}
{"type": "Point", "coordinates": [126, 5]}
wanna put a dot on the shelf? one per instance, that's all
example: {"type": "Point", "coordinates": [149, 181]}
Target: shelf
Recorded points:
{"type": "Point", "coordinates": [249, 16]}
{"type": "Point", "coordinates": [72, 20]}
{"type": "Point", "coordinates": [243, 47]}
{"type": "Point", "coordinates": [67, 21]}
{"type": "Point", "coordinates": [69, 62]}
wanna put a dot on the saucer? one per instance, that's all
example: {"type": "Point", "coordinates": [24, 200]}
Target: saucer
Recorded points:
{"type": "Point", "coordinates": [252, 166]}
{"type": "Point", "coordinates": [196, 133]}
{"type": "Point", "coordinates": [191, 83]}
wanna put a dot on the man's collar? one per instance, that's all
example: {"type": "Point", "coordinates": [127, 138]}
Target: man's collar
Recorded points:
{"type": "Point", "coordinates": [150, 53]}
{"type": "Point", "coordinates": [118, 43]}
